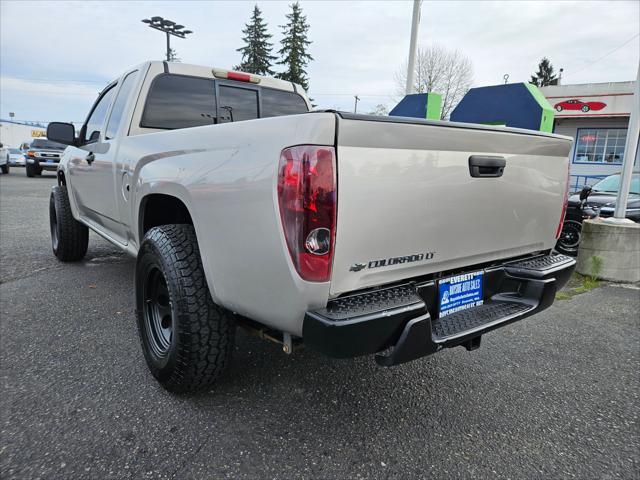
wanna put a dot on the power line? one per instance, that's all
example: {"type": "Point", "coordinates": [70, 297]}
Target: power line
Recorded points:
{"type": "Point", "coordinates": [350, 95]}
{"type": "Point", "coordinates": [52, 92]}
{"type": "Point", "coordinates": [105, 82]}
{"type": "Point", "coordinates": [54, 80]}
{"type": "Point", "coordinates": [603, 56]}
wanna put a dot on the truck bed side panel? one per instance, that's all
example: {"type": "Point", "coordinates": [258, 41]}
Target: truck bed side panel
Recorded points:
{"type": "Point", "coordinates": [227, 177]}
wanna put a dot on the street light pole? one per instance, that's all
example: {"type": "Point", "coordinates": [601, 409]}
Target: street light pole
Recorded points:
{"type": "Point", "coordinates": [169, 28]}
{"type": "Point", "coordinates": [355, 106]}
{"type": "Point", "coordinates": [630, 153]}
{"type": "Point", "coordinates": [415, 23]}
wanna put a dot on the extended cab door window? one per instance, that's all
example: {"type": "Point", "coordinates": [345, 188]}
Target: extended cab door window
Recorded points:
{"type": "Point", "coordinates": [118, 106]}
{"type": "Point", "coordinates": [236, 104]}
{"type": "Point", "coordinates": [178, 101]}
{"type": "Point", "coordinates": [94, 124]}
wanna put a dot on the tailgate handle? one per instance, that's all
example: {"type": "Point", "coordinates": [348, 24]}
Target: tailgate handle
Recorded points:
{"type": "Point", "coordinates": [486, 166]}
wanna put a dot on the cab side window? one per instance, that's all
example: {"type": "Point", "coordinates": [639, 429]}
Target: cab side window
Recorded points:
{"type": "Point", "coordinates": [96, 119]}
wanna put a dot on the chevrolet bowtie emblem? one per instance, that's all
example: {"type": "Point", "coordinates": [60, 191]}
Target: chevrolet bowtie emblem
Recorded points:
{"type": "Point", "coordinates": [356, 267]}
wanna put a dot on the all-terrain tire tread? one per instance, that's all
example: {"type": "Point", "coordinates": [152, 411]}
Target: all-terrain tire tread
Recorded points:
{"type": "Point", "coordinates": [73, 236]}
{"type": "Point", "coordinates": [206, 332]}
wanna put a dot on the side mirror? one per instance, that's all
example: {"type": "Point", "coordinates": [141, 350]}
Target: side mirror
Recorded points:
{"type": "Point", "coordinates": [585, 192]}
{"type": "Point", "coordinates": [64, 133]}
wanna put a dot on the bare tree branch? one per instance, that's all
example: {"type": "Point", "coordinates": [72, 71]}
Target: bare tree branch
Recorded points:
{"type": "Point", "coordinates": [447, 72]}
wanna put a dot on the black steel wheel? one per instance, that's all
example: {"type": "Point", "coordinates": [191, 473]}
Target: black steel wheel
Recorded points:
{"type": "Point", "coordinates": [569, 240]}
{"type": "Point", "coordinates": [158, 315]}
{"type": "Point", "coordinates": [186, 339]}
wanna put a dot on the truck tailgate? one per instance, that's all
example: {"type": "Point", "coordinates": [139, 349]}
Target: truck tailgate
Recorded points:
{"type": "Point", "coordinates": [409, 206]}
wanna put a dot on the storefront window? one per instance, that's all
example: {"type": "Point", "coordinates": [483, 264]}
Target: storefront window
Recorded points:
{"type": "Point", "coordinates": [600, 145]}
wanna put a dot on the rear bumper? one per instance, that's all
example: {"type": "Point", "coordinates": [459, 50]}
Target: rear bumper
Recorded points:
{"type": "Point", "coordinates": [406, 316]}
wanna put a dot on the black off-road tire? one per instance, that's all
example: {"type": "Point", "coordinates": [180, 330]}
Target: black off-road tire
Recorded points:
{"type": "Point", "coordinates": [187, 340]}
{"type": "Point", "coordinates": [5, 168]}
{"type": "Point", "coordinates": [31, 170]}
{"type": "Point", "coordinates": [69, 238]}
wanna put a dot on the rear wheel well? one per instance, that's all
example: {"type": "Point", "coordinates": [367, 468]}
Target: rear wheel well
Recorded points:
{"type": "Point", "coordinates": [158, 209]}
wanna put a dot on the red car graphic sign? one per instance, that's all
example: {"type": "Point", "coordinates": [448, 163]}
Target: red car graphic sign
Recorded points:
{"type": "Point", "coordinates": [575, 104]}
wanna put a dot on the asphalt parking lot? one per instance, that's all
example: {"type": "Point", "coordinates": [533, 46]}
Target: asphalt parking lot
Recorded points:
{"type": "Point", "coordinates": [554, 396]}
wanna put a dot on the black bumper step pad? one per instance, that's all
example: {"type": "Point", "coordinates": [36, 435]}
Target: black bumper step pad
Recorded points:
{"type": "Point", "coordinates": [465, 321]}
{"type": "Point", "coordinates": [354, 306]}
{"type": "Point", "coordinates": [541, 263]}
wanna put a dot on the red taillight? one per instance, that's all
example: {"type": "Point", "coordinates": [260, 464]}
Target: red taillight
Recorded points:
{"type": "Point", "coordinates": [242, 77]}
{"type": "Point", "coordinates": [307, 199]}
{"type": "Point", "coordinates": [565, 202]}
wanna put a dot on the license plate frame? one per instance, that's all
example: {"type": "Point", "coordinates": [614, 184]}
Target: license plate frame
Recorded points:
{"type": "Point", "coordinates": [460, 292]}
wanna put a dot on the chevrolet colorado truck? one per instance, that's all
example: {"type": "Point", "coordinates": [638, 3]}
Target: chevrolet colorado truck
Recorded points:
{"type": "Point", "coordinates": [351, 234]}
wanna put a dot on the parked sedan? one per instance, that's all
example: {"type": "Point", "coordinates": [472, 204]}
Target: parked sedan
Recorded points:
{"type": "Point", "coordinates": [15, 157]}
{"type": "Point", "coordinates": [593, 201]}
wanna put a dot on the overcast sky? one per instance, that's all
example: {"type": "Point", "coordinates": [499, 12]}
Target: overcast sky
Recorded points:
{"type": "Point", "coordinates": [56, 56]}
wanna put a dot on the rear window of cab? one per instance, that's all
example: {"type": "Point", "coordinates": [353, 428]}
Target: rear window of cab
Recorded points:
{"type": "Point", "coordinates": [179, 101]}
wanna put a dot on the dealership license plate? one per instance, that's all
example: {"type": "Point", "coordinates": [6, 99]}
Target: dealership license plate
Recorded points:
{"type": "Point", "coordinates": [459, 292]}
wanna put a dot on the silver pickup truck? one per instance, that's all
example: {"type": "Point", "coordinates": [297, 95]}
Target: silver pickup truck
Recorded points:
{"type": "Point", "coordinates": [352, 234]}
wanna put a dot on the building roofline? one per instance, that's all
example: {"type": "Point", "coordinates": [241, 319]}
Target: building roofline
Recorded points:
{"type": "Point", "coordinates": [597, 84]}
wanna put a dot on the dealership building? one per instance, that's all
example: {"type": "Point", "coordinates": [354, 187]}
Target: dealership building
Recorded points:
{"type": "Point", "coordinates": [596, 116]}
{"type": "Point", "coordinates": [15, 133]}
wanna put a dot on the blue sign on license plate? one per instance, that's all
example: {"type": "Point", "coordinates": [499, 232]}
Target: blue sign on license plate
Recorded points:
{"type": "Point", "coordinates": [459, 292]}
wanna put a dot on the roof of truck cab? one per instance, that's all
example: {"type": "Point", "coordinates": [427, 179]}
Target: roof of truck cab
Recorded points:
{"type": "Point", "coordinates": [207, 72]}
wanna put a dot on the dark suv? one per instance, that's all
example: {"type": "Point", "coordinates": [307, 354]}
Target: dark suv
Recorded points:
{"type": "Point", "coordinates": [42, 155]}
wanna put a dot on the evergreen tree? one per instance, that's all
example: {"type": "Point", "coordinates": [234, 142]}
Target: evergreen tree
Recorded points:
{"type": "Point", "coordinates": [256, 54]}
{"type": "Point", "coordinates": [294, 45]}
{"type": "Point", "coordinates": [173, 56]}
{"type": "Point", "coordinates": [544, 76]}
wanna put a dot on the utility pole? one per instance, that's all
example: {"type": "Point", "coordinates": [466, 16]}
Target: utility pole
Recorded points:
{"type": "Point", "coordinates": [630, 153]}
{"type": "Point", "coordinates": [169, 28]}
{"type": "Point", "coordinates": [355, 107]}
{"type": "Point", "coordinates": [411, 69]}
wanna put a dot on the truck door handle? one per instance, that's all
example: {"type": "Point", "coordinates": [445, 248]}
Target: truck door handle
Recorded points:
{"type": "Point", "coordinates": [486, 166]}
{"type": "Point", "coordinates": [90, 158]}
